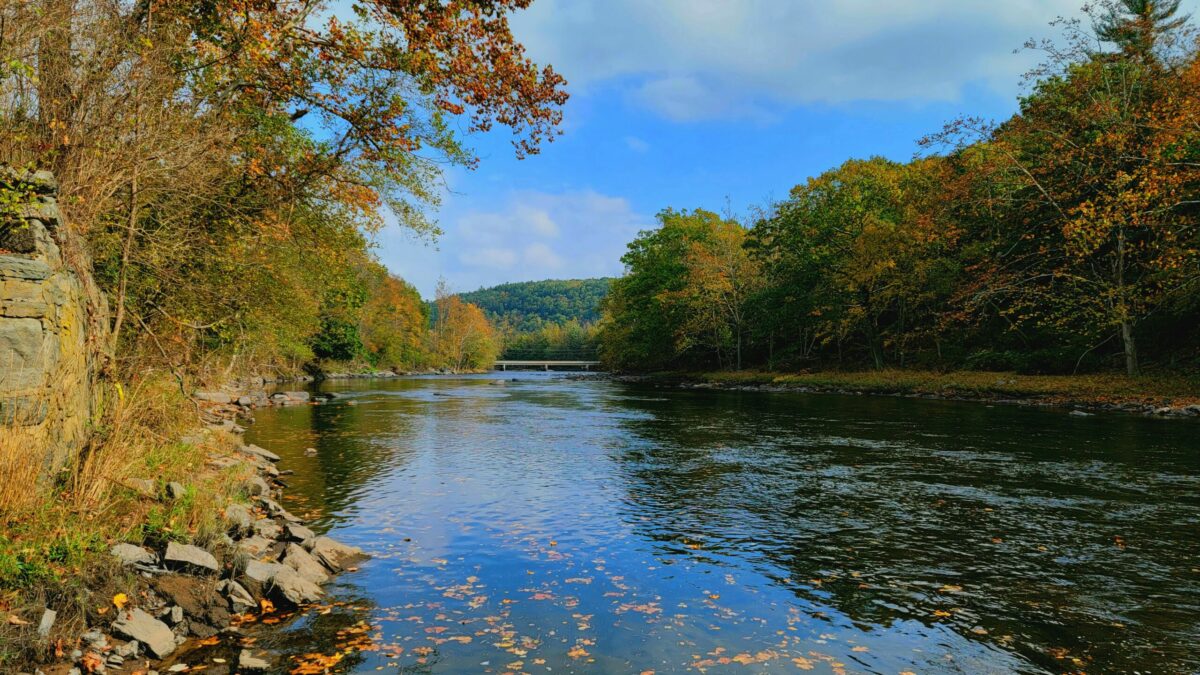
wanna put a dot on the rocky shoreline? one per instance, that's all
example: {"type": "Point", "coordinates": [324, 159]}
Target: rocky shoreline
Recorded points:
{"type": "Point", "coordinates": [266, 561]}
{"type": "Point", "coordinates": [1079, 407]}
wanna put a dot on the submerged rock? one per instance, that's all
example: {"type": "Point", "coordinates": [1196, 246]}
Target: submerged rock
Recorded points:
{"type": "Point", "coordinates": [254, 662]}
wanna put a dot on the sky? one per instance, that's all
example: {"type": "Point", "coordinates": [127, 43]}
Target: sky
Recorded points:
{"type": "Point", "coordinates": [716, 104]}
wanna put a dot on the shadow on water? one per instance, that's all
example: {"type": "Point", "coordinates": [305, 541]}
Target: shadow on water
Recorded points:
{"type": "Point", "coordinates": [587, 526]}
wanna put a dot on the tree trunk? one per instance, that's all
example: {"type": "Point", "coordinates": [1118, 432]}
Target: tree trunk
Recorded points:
{"type": "Point", "coordinates": [1131, 359]}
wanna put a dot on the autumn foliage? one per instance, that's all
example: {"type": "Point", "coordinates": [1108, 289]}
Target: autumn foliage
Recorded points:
{"type": "Point", "coordinates": [225, 164]}
{"type": "Point", "coordinates": [1066, 237]}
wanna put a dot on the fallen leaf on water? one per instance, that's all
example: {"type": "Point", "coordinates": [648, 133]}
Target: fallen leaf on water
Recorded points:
{"type": "Point", "coordinates": [577, 652]}
{"type": "Point", "coordinates": [950, 588]}
{"type": "Point", "coordinates": [859, 648]}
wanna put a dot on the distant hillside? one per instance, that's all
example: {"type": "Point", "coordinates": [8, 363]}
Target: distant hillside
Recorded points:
{"type": "Point", "coordinates": [529, 305]}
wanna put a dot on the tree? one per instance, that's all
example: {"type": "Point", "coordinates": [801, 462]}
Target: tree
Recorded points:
{"type": "Point", "coordinates": [462, 338]}
{"type": "Point", "coordinates": [650, 314]}
{"type": "Point", "coordinates": [856, 256]}
{"type": "Point", "coordinates": [721, 278]}
{"type": "Point", "coordinates": [1136, 25]}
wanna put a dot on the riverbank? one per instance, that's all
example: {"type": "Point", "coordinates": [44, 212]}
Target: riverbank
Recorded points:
{"type": "Point", "coordinates": [190, 545]}
{"type": "Point", "coordinates": [1171, 395]}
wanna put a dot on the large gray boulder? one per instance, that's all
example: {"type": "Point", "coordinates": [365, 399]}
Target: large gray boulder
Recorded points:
{"type": "Point", "coordinates": [333, 554]}
{"type": "Point", "coordinates": [305, 564]}
{"type": "Point", "coordinates": [135, 624]}
{"type": "Point", "coordinates": [213, 397]}
{"type": "Point", "coordinates": [297, 532]}
{"type": "Point", "coordinates": [288, 585]}
{"type": "Point", "coordinates": [190, 558]}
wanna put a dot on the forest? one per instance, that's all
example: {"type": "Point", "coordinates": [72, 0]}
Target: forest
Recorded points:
{"type": "Point", "coordinates": [551, 319]}
{"type": "Point", "coordinates": [1063, 239]}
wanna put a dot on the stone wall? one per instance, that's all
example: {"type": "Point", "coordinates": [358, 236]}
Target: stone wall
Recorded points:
{"type": "Point", "coordinates": [46, 365]}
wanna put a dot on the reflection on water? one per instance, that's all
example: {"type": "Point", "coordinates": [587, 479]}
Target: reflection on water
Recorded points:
{"type": "Point", "coordinates": [587, 526]}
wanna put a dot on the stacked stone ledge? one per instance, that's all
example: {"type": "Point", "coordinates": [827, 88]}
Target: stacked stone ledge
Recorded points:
{"type": "Point", "coordinates": [267, 553]}
{"type": "Point", "coordinates": [45, 362]}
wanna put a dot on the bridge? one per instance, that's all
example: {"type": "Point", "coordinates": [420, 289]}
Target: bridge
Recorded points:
{"type": "Point", "coordinates": [544, 364]}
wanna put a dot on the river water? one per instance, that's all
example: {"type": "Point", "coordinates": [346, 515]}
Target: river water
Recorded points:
{"type": "Point", "coordinates": [537, 523]}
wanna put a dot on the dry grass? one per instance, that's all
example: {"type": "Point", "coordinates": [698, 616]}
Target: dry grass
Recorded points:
{"type": "Point", "coordinates": [1154, 389]}
{"type": "Point", "coordinates": [55, 531]}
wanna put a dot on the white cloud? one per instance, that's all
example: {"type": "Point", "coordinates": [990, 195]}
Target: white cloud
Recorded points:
{"type": "Point", "coordinates": [636, 144]}
{"type": "Point", "coordinates": [491, 258]}
{"type": "Point", "coordinates": [530, 235]}
{"type": "Point", "coordinates": [698, 59]}
{"type": "Point", "coordinates": [541, 256]}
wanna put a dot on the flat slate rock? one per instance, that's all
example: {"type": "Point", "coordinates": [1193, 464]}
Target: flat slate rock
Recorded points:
{"type": "Point", "coordinates": [136, 624]}
{"type": "Point", "coordinates": [186, 555]}
{"type": "Point", "coordinates": [252, 449]}
{"type": "Point", "coordinates": [130, 554]}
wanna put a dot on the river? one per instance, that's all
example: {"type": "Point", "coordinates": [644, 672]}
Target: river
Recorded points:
{"type": "Point", "coordinates": [532, 522]}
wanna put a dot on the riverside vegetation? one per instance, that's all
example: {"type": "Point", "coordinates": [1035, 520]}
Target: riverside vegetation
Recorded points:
{"type": "Point", "coordinates": [1065, 239]}
{"type": "Point", "coordinates": [220, 169]}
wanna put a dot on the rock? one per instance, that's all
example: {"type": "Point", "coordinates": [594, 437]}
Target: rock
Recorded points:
{"type": "Point", "coordinates": [144, 486]}
{"type": "Point", "coordinates": [178, 668]}
{"type": "Point", "coordinates": [297, 532]}
{"type": "Point", "coordinates": [239, 518]}
{"type": "Point", "coordinates": [245, 401]}
{"type": "Point", "coordinates": [256, 451]}
{"type": "Point", "coordinates": [257, 487]}
{"type": "Point", "coordinates": [310, 452]}
{"type": "Point", "coordinates": [290, 586]}
{"type": "Point", "coordinates": [130, 554]}
{"type": "Point", "coordinates": [239, 598]}
{"type": "Point", "coordinates": [128, 650]}
{"type": "Point", "coordinates": [305, 564]}
{"type": "Point", "coordinates": [252, 662]}
{"type": "Point", "coordinates": [275, 509]}
{"type": "Point", "coordinates": [1080, 413]}
{"type": "Point", "coordinates": [257, 576]}
{"type": "Point", "coordinates": [176, 490]}
{"type": "Point", "coordinates": [186, 556]}
{"type": "Point", "coordinates": [47, 622]}
{"type": "Point", "coordinates": [136, 624]}
{"type": "Point", "coordinates": [301, 396]}
{"type": "Point", "coordinates": [261, 572]}
{"type": "Point", "coordinates": [268, 529]}
{"type": "Point", "coordinates": [333, 554]}
{"type": "Point", "coordinates": [254, 546]}
{"type": "Point", "coordinates": [176, 614]}
{"type": "Point", "coordinates": [212, 397]}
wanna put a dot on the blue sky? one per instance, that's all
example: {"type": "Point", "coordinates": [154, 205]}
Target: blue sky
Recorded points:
{"type": "Point", "coordinates": [719, 104]}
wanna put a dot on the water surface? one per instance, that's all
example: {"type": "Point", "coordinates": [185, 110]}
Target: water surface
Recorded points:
{"type": "Point", "coordinates": [555, 525]}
